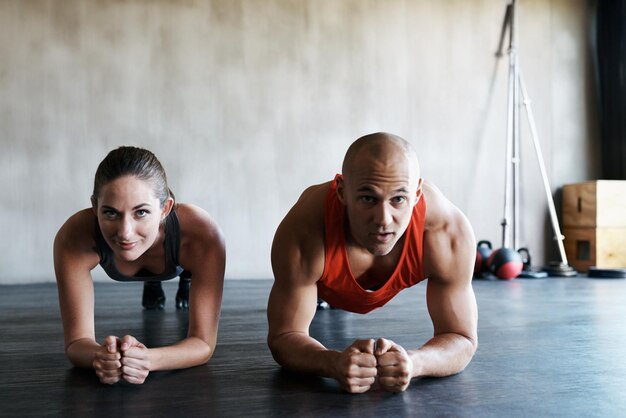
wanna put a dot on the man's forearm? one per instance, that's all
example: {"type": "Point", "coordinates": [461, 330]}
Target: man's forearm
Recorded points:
{"type": "Point", "coordinates": [299, 352]}
{"type": "Point", "coordinates": [443, 355]}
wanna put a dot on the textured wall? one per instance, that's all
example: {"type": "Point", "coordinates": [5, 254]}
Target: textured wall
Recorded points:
{"type": "Point", "coordinates": [248, 102]}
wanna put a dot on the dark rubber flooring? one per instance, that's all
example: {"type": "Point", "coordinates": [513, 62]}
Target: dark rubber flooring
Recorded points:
{"type": "Point", "coordinates": [548, 347]}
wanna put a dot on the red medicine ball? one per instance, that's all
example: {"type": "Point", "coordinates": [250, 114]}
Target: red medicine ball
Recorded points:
{"type": "Point", "coordinates": [505, 263]}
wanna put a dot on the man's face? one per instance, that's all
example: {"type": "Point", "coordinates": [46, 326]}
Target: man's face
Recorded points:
{"type": "Point", "coordinates": [379, 195]}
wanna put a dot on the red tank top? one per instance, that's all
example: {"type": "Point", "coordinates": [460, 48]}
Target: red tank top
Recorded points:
{"type": "Point", "coordinates": [339, 287]}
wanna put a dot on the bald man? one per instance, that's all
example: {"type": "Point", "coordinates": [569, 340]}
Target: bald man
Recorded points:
{"type": "Point", "coordinates": [356, 242]}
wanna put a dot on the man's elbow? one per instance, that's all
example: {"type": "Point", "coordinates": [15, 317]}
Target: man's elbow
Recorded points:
{"type": "Point", "coordinates": [471, 345]}
{"type": "Point", "coordinates": [277, 345]}
{"type": "Point", "coordinates": [274, 346]}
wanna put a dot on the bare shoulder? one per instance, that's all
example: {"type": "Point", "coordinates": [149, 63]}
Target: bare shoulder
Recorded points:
{"type": "Point", "coordinates": [191, 216]}
{"type": "Point", "coordinates": [441, 213]}
{"type": "Point", "coordinates": [199, 232]}
{"type": "Point", "coordinates": [75, 240]}
{"type": "Point", "coordinates": [308, 212]}
{"type": "Point", "coordinates": [78, 231]}
{"type": "Point", "coordinates": [449, 243]}
{"type": "Point", "coordinates": [298, 247]}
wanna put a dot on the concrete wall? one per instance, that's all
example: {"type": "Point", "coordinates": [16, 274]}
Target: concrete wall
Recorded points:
{"type": "Point", "coordinates": [248, 102]}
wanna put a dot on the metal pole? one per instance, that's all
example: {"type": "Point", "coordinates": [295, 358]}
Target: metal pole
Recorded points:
{"type": "Point", "coordinates": [515, 157]}
{"type": "Point", "coordinates": [512, 178]}
{"type": "Point", "coordinates": [510, 126]}
{"type": "Point", "coordinates": [533, 130]}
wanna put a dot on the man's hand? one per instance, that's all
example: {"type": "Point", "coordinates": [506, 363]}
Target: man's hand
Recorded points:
{"type": "Point", "coordinates": [135, 360]}
{"type": "Point", "coordinates": [356, 367]}
{"type": "Point", "coordinates": [394, 366]}
{"type": "Point", "coordinates": [107, 362]}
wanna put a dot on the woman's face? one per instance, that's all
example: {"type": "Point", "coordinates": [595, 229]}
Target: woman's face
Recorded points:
{"type": "Point", "coordinates": [129, 215]}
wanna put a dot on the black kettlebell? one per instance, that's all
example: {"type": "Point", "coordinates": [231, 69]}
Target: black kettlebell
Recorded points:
{"type": "Point", "coordinates": [483, 251]}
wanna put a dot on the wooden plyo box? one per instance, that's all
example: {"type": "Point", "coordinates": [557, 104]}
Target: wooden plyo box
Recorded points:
{"type": "Point", "coordinates": [600, 247]}
{"type": "Point", "coordinates": [600, 203]}
{"type": "Point", "coordinates": [594, 220]}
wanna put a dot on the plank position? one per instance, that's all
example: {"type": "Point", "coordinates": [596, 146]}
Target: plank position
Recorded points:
{"type": "Point", "coordinates": [356, 242]}
{"type": "Point", "coordinates": [136, 231]}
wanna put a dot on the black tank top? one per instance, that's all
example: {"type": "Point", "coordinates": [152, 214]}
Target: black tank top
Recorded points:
{"type": "Point", "coordinates": [172, 242]}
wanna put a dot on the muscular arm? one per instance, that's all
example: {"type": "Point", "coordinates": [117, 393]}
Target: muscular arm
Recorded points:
{"type": "Point", "coordinates": [298, 262]}
{"type": "Point", "coordinates": [297, 266]}
{"type": "Point", "coordinates": [449, 249]}
{"type": "Point", "coordinates": [290, 312]}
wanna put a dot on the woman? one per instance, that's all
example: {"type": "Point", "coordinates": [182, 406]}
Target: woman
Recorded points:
{"type": "Point", "coordinates": [136, 231]}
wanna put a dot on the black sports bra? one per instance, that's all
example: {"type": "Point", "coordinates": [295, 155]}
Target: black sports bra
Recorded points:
{"type": "Point", "coordinates": [172, 242]}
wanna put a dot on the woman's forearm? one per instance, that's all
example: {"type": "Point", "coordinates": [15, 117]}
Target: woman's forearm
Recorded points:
{"type": "Point", "coordinates": [191, 351]}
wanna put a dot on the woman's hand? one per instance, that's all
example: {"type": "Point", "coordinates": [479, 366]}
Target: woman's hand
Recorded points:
{"type": "Point", "coordinates": [107, 362]}
{"type": "Point", "coordinates": [135, 360]}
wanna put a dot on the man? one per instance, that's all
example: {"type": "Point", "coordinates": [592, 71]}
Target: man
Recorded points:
{"type": "Point", "coordinates": [359, 240]}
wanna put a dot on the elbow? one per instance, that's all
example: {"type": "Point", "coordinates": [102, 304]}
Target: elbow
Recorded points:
{"type": "Point", "coordinates": [207, 354]}
{"type": "Point", "coordinates": [190, 352]}
{"type": "Point", "coordinates": [199, 351]}
{"type": "Point", "coordinates": [77, 355]}
{"type": "Point", "coordinates": [273, 343]}
{"type": "Point", "coordinates": [471, 345]}
{"type": "Point", "coordinates": [71, 358]}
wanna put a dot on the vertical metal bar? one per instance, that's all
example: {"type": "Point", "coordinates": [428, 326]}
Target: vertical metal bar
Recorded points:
{"type": "Point", "coordinates": [510, 126]}
{"type": "Point", "coordinates": [533, 130]}
{"type": "Point", "coordinates": [515, 157]}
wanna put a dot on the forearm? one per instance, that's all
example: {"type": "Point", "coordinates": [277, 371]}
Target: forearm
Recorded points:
{"type": "Point", "coordinates": [299, 352]}
{"type": "Point", "coordinates": [191, 351]}
{"type": "Point", "coordinates": [82, 352]}
{"type": "Point", "coordinates": [443, 355]}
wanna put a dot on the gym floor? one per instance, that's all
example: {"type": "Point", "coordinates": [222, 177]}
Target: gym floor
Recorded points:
{"type": "Point", "coordinates": [548, 347]}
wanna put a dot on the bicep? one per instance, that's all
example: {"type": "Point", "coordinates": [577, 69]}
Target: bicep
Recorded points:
{"type": "Point", "coordinates": [452, 308]}
{"type": "Point", "coordinates": [291, 307]}
{"type": "Point", "coordinates": [450, 297]}
{"type": "Point", "coordinates": [293, 298]}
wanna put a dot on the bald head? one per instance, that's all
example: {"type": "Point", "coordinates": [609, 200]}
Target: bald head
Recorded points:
{"type": "Point", "coordinates": [382, 147]}
{"type": "Point", "coordinates": [380, 187]}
